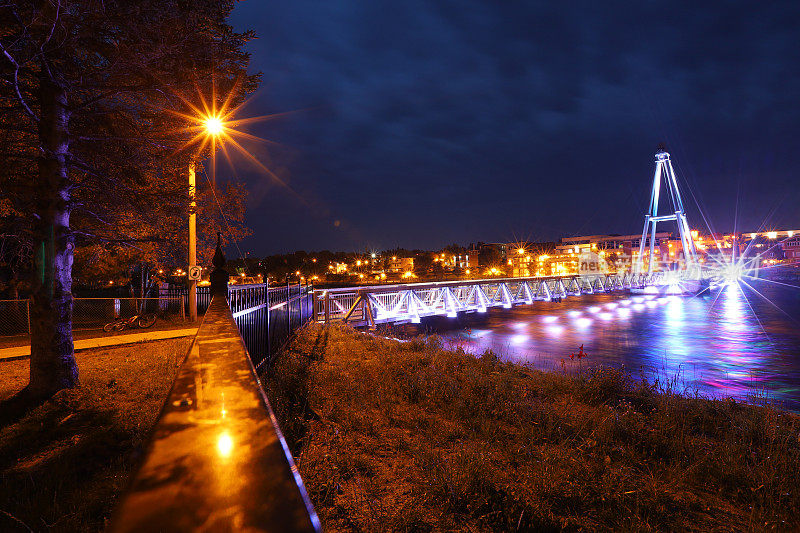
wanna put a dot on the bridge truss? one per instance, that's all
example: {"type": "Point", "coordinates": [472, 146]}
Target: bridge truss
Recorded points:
{"type": "Point", "coordinates": [372, 305]}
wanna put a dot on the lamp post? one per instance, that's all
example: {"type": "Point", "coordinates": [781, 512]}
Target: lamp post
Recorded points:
{"type": "Point", "coordinates": [213, 128]}
{"type": "Point", "coordinates": [192, 243]}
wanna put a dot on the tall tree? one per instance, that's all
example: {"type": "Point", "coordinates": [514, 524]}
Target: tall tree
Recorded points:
{"type": "Point", "coordinates": [157, 239]}
{"type": "Point", "coordinates": [97, 83]}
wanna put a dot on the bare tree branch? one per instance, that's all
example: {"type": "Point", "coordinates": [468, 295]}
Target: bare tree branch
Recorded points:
{"type": "Point", "coordinates": [16, 83]}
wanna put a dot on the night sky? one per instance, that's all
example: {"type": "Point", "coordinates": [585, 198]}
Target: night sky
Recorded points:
{"type": "Point", "coordinates": [422, 123]}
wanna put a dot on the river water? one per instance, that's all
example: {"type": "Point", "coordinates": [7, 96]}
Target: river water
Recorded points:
{"type": "Point", "coordinates": [739, 341]}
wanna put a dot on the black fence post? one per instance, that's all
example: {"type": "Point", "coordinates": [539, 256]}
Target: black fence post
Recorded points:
{"type": "Point", "coordinates": [269, 312]}
{"type": "Point", "coordinates": [219, 276]}
{"type": "Point", "coordinates": [288, 309]}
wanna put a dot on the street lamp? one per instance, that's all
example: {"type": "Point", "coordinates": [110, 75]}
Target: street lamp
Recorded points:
{"type": "Point", "coordinates": [213, 128]}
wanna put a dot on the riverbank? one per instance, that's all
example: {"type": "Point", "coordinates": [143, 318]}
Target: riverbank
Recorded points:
{"type": "Point", "coordinates": [64, 464]}
{"type": "Point", "coordinates": [408, 436]}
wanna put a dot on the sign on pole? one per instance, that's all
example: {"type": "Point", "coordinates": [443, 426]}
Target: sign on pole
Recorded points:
{"type": "Point", "coordinates": [194, 272]}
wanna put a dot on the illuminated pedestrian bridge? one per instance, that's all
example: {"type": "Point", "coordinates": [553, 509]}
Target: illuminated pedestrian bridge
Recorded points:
{"type": "Point", "coordinates": [372, 305]}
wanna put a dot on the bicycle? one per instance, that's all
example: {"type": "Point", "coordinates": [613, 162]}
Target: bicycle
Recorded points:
{"type": "Point", "coordinates": [136, 321]}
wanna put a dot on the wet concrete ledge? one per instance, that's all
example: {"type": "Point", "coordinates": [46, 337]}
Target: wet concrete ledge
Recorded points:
{"type": "Point", "coordinates": [216, 460]}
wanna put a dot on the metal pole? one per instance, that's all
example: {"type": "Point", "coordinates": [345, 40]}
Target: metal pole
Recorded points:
{"type": "Point", "coordinates": [192, 244]}
{"type": "Point", "coordinates": [269, 311]}
{"type": "Point", "coordinates": [288, 309]}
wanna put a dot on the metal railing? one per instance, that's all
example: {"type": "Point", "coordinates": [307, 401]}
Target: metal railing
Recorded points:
{"type": "Point", "coordinates": [268, 316]}
{"type": "Point", "coordinates": [410, 302]}
{"type": "Point", "coordinates": [217, 460]}
{"type": "Point", "coordinates": [203, 297]}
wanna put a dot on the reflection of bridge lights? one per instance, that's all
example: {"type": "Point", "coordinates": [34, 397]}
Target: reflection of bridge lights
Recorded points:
{"type": "Point", "coordinates": [549, 319]}
{"type": "Point", "coordinates": [555, 330]}
{"type": "Point", "coordinates": [638, 307]}
{"type": "Point", "coordinates": [519, 339]}
{"type": "Point", "coordinates": [583, 322]}
{"type": "Point", "coordinates": [674, 310]}
{"type": "Point", "coordinates": [624, 312]}
{"type": "Point", "coordinates": [651, 289]}
{"type": "Point", "coordinates": [625, 302]}
{"type": "Point", "coordinates": [651, 303]}
{"type": "Point", "coordinates": [594, 309]}
{"type": "Point", "coordinates": [638, 299]}
{"type": "Point", "coordinates": [612, 305]}
{"type": "Point", "coordinates": [606, 316]}
{"type": "Point", "coordinates": [733, 308]}
{"type": "Point", "coordinates": [574, 314]}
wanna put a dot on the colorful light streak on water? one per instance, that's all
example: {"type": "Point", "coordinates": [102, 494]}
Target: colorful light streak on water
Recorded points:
{"type": "Point", "coordinates": [729, 342]}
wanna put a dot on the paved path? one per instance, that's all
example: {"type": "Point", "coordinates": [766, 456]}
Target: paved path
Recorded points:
{"type": "Point", "coordinates": [19, 352]}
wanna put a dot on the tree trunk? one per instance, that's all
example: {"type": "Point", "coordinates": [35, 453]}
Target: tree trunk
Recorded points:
{"type": "Point", "coordinates": [52, 365]}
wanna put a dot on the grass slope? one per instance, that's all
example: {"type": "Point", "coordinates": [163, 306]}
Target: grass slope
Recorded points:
{"type": "Point", "coordinates": [395, 436]}
{"type": "Point", "coordinates": [64, 464]}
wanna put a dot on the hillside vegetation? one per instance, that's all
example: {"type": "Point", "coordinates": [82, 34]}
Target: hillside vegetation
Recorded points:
{"type": "Point", "coordinates": [406, 436]}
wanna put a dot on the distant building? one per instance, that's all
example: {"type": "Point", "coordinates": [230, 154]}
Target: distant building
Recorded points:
{"type": "Point", "coordinates": [627, 243]}
{"type": "Point", "coordinates": [791, 249]}
{"type": "Point", "coordinates": [400, 265]}
{"type": "Point", "coordinates": [473, 256]}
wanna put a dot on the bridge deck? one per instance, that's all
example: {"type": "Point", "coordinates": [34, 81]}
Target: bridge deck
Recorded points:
{"type": "Point", "coordinates": [371, 305]}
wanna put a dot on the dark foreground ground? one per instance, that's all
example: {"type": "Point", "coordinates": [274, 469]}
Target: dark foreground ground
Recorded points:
{"type": "Point", "coordinates": [63, 465]}
{"type": "Point", "coordinates": [395, 436]}
{"type": "Point", "coordinates": [407, 437]}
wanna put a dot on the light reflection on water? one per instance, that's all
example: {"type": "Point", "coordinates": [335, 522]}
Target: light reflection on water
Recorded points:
{"type": "Point", "coordinates": [731, 342]}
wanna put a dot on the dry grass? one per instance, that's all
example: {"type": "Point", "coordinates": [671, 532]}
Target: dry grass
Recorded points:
{"type": "Point", "coordinates": [63, 465]}
{"type": "Point", "coordinates": [408, 437]}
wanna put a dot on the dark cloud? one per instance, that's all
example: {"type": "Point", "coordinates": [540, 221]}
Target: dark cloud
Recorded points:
{"type": "Point", "coordinates": [424, 123]}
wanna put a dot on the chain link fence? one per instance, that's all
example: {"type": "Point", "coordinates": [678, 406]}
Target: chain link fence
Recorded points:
{"type": "Point", "coordinates": [93, 313]}
{"type": "Point", "coordinates": [14, 317]}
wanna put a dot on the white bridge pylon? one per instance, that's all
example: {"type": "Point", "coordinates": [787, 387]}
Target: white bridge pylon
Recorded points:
{"type": "Point", "coordinates": [665, 171]}
{"type": "Point", "coordinates": [411, 302]}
